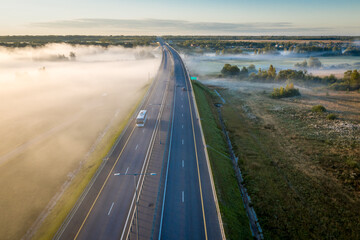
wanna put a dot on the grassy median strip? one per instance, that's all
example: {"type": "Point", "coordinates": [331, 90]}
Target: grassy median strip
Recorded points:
{"type": "Point", "coordinates": [62, 208]}
{"type": "Point", "coordinates": [233, 213]}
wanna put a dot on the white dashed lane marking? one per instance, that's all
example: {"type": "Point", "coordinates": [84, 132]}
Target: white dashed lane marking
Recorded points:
{"type": "Point", "coordinates": [110, 208]}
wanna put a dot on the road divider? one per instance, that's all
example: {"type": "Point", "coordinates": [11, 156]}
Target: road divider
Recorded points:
{"type": "Point", "coordinates": [144, 167]}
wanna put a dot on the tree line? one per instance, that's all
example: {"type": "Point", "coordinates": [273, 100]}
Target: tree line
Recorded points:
{"type": "Point", "coordinates": [105, 41]}
{"type": "Point", "coordinates": [350, 81]}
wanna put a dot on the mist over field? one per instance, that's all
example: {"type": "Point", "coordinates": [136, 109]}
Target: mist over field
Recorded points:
{"type": "Point", "coordinates": [57, 103]}
{"type": "Point", "coordinates": [211, 64]}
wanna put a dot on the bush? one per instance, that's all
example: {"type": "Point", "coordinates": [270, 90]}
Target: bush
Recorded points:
{"type": "Point", "coordinates": [318, 108]}
{"type": "Point", "coordinates": [230, 70]}
{"type": "Point", "coordinates": [331, 116]}
{"type": "Point", "coordinates": [314, 62]}
{"type": "Point", "coordinates": [288, 91]}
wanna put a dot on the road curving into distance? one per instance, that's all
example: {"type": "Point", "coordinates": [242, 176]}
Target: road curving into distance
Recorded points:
{"type": "Point", "coordinates": [181, 194]}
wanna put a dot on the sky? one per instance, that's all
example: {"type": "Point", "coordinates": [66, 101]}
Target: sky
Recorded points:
{"type": "Point", "coordinates": [191, 17]}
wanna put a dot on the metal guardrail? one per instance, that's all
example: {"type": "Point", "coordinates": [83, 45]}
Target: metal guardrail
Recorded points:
{"type": "Point", "coordinates": [205, 150]}
{"type": "Point", "coordinates": [72, 212]}
{"type": "Point", "coordinates": [161, 175]}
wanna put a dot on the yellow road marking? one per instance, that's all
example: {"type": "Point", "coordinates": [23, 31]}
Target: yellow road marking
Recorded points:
{"type": "Point", "coordinates": [196, 155]}
{"type": "Point", "coordinates": [92, 206]}
{"type": "Point", "coordinates": [102, 187]}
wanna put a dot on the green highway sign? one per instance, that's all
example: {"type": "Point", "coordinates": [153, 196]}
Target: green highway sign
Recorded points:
{"type": "Point", "coordinates": [193, 78]}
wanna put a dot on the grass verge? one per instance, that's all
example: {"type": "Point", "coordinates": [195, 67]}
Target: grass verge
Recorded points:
{"type": "Point", "coordinates": [67, 201]}
{"type": "Point", "coordinates": [290, 158]}
{"type": "Point", "coordinates": [235, 220]}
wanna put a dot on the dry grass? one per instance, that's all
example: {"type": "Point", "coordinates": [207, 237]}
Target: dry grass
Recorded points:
{"type": "Point", "coordinates": [301, 170]}
{"type": "Point", "coordinates": [57, 121]}
{"type": "Point", "coordinates": [235, 220]}
{"type": "Point", "coordinates": [58, 214]}
{"type": "Point", "coordinates": [32, 178]}
{"type": "Point", "coordinates": [292, 41]}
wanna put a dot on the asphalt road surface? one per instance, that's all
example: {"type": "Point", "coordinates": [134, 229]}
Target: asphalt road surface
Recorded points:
{"type": "Point", "coordinates": [188, 209]}
{"type": "Point", "coordinates": [103, 213]}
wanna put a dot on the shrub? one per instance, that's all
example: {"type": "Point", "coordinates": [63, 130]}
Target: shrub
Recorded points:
{"type": "Point", "coordinates": [230, 70]}
{"type": "Point", "coordinates": [331, 116]}
{"type": "Point", "coordinates": [318, 108]}
{"type": "Point", "coordinates": [288, 91]}
{"type": "Point", "coordinates": [314, 62]}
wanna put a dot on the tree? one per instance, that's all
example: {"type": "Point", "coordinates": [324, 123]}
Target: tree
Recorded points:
{"type": "Point", "coordinates": [244, 72]}
{"type": "Point", "coordinates": [289, 86]}
{"type": "Point", "coordinates": [314, 62]}
{"type": "Point", "coordinates": [290, 74]}
{"type": "Point", "coordinates": [281, 91]}
{"type": "Point", "coordinates": [230, 70]}
{"type": "Point", "coordinates": [302, 64]}
{"type": "Point", "coordinates": [251, 68]}
{"type": "Point", "coordinates": [72, 55]}
{"type": "Point", "coordinates": [355, 80]}
{"type": "Point", "coordinates": [271, 72]}
{"type": "Point", "coordinates": [288, 91]}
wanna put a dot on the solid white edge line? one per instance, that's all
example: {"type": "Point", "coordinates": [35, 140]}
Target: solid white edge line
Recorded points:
{"type": "Point", "coordinates": [207, 157]}
{"type": "Point", "coordinates": [75, 208]}
{"type": "Point", "coordinates": [138, 182]}
{"type": "Point", "coordinates": [147, 157]}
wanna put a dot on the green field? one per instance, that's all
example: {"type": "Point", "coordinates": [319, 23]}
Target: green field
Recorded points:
{"type": "Point", "coordinates": [235, 220]}
{"type": "Point", "coordinates": [300, 174]}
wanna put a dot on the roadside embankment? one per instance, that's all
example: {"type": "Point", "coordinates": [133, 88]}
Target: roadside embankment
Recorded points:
{"type": "Point", "coordinates": [232, 210]}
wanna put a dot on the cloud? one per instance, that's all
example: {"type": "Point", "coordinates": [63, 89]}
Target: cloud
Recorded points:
{"type": "Point", "coordinates": [158, 26]}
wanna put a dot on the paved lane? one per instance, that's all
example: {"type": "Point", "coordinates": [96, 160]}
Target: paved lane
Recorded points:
{"type": "Point", "coordinates": [104, 210]}
{"type": "Point", "coordinates": [189, 210]}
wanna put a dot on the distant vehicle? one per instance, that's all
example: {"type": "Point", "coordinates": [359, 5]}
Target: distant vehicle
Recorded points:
{"type": "Point", "coordinates": [141, 118]}
{"type": "Point", "coordinates": [184, 89]}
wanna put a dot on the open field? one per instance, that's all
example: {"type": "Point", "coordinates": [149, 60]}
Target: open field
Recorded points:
{"type": "Point", "coordinates": [291, 40]}
{"type": "Point", "coordinates": [210, 64]}
{"type": "Point", "coordinates": [302, 170]}
{"type": "Point", "coordinates": [60, 113]}
{"type": "Point", "coordinates": [236, 224]}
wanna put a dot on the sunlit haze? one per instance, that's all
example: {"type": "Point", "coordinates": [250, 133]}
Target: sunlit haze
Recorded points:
{"type": "Point", "coordinates": [229, 17]}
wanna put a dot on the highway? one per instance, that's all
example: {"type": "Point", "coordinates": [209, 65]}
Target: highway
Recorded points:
{"type": "Point", "coordinates": [104, 210]}
{"type": "Point", "coordinates": [189, 209]}
{"type": "Point", "coordinates": [181, 192]}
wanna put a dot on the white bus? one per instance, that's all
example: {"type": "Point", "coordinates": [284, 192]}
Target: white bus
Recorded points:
{"type": "Point", "coordinates": [141, 118]}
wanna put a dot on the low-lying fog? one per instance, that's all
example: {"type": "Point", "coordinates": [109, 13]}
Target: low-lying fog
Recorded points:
{"type": "Point", "coordinates": [56, 102]}
{"type": "Point", "coordinates": [210, 63]}
{"type": "Point", "coordinates": [247, 86]}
